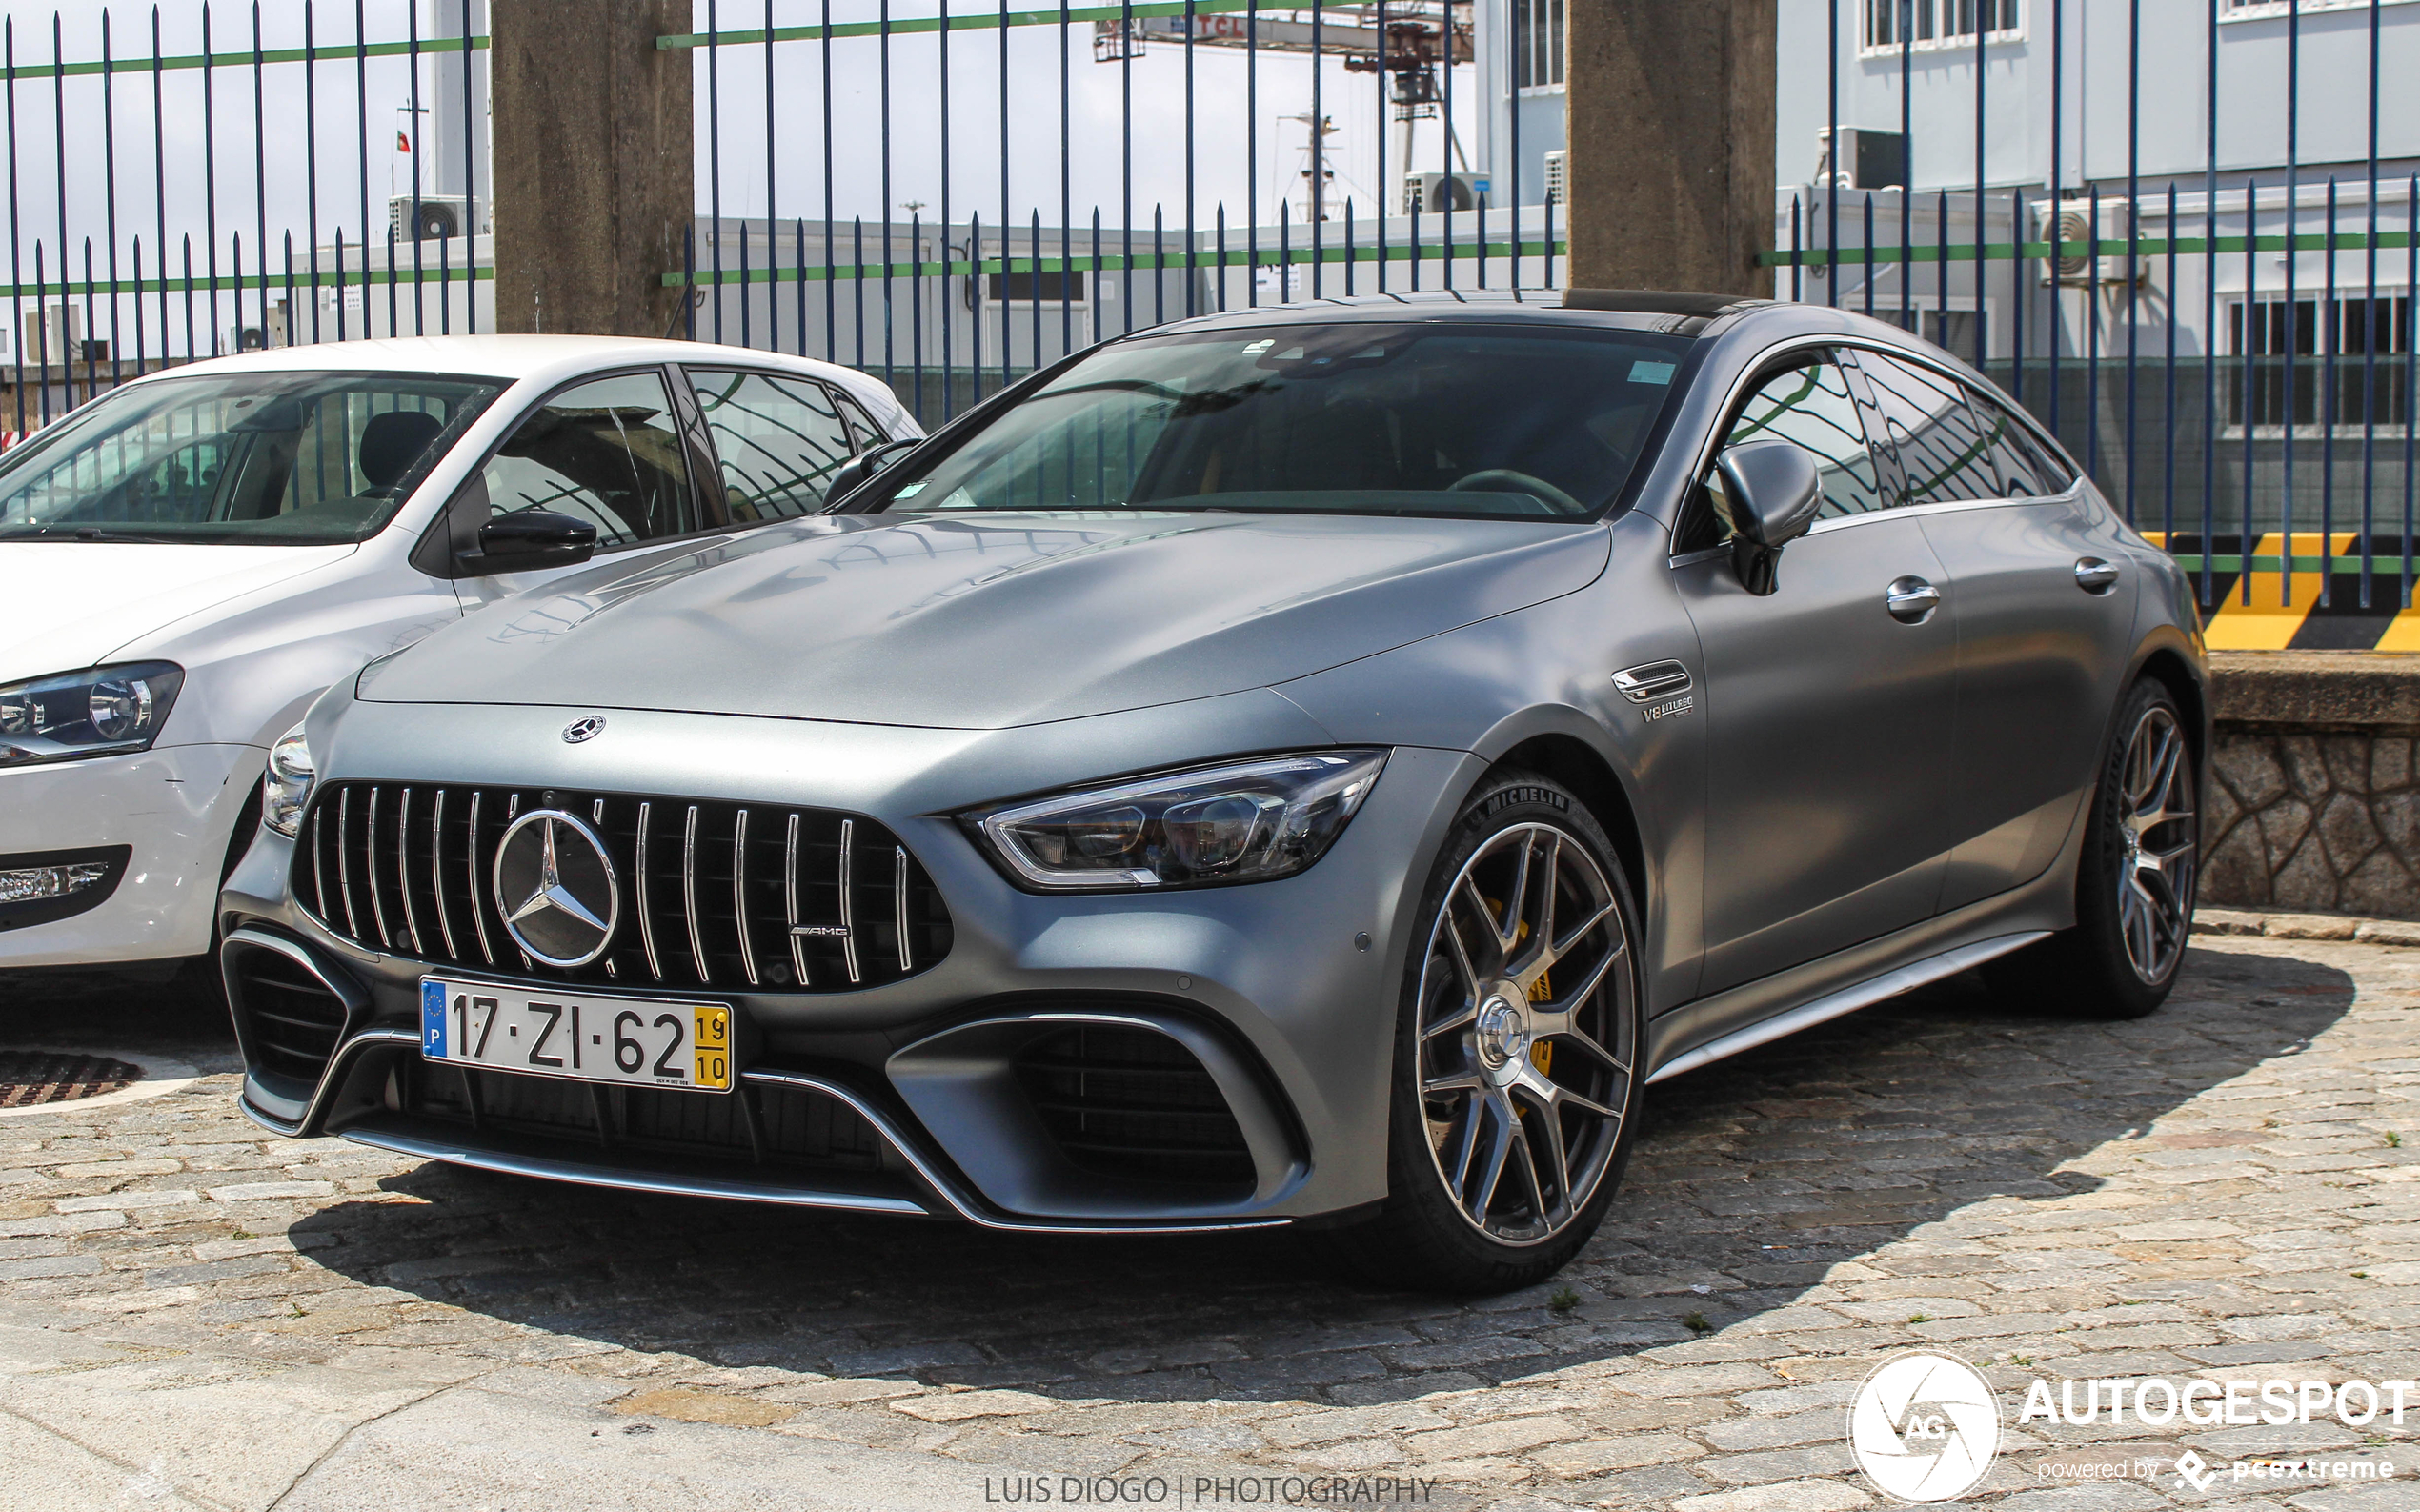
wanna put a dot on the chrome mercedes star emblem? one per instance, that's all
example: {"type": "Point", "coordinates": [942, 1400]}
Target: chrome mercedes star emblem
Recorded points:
{"type": "Point", "coordinates": [584, 728]}
{"type": "Point", "coordinates": [557, 888]}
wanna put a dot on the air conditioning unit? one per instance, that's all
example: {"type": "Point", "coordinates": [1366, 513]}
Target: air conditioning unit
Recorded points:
{"type": "Point", "coordinates": [427, 218]}
{"type": "Point", "coordinates": [52, 333]}
{"type": "Point", "coordinates": [1866, 159]}
{"type": "Point", "coordinates": [2072, 220]}
{"type": "Point", "coordinates": [259, 337]}
{"type": "Point", "coordinates": [1559, 177]}
{"type": "Point", "coordinates": [1428, 193]}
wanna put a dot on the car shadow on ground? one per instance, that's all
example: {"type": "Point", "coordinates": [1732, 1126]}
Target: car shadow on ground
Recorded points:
{"type": "Point", "coordinates": [178, 1011]}
{"type": "Point", "coordinates": [1752, 1178]}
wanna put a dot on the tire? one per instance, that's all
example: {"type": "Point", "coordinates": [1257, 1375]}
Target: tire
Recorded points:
{"type": "Point", "coordinates": [1479, 1200]}
{"type": "Point", "coordinates": [2135, 879]}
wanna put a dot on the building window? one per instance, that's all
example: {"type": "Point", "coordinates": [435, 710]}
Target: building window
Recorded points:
{"type": "Point", "coordinates": [1537, 43]}
{"type": "Point", "coordinates": [2364, 390]}
{"type": "Point", "coordinates": [2261, 10]}
{"type": "Point", "coordinates": [1890, 24]}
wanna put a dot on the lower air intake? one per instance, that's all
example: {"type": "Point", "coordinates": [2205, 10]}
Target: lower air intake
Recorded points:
{"type": "Point", "coordinates": [1132, 1102]}
{"type": "Point", "coordinates": [291, 1019]}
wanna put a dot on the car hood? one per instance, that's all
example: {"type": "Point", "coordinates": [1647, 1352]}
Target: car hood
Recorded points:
{"type": "Point", "coordinates": [988, 622]}
{"type": "Point", "coordinates": [72, 604]}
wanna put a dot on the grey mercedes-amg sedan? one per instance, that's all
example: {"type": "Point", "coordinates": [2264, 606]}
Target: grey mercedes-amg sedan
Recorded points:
{"type": "Point", "coordinates": [1308, 766]}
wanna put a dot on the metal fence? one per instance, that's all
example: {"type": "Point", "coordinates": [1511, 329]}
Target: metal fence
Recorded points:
{"type": "Point", "coordinates": [946, 198]}
{"type": "Point", "coordinates": [2197, 266]}
{"type": "Point", "coordinates": [2184, 232]}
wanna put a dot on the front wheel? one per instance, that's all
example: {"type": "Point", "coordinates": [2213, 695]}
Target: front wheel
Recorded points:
{"type": "Point", "coordinates": [1517, 1051]}
{"type": "Point", "coordinates": [2135, 880]}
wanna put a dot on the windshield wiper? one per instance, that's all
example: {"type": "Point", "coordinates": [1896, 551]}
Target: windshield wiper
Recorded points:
{"type": "Point", "coordinates": [88, 533]}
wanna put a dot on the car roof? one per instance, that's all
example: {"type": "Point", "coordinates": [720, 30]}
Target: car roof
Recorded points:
{"type": "Point", "coordinates": [1685, 315]}
{"type": "Point", "coordinates": [498, 357]}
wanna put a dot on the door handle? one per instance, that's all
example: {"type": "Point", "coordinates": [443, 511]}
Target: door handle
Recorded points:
{"type": "Point", "coordinates": [1911, 601]}
{"type": "Point", "coordinates": [2094, 575]}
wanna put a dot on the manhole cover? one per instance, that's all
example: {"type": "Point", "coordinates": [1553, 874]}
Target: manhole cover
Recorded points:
{"type": "Point", "coordinates": [32, 1077]}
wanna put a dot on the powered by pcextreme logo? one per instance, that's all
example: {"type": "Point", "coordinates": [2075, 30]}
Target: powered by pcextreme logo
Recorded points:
{"type": "Point", "coordinates": [1924, 1427]}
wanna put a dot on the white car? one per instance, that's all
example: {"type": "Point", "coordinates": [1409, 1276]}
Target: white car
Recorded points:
{"type": "Point", "coordinates": [191, 558]}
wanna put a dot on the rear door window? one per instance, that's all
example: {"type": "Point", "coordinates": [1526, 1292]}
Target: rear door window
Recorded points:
{"type": "Point", "coordinates": [607, 451]}
{"type": "Point", "coordinates": [2028, 469]}
{"type": "Point", "coordinates": [777, 439]}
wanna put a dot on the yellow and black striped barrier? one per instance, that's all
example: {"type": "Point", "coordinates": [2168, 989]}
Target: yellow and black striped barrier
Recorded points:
{"type": "Point", "coordinates": [2308, 598]}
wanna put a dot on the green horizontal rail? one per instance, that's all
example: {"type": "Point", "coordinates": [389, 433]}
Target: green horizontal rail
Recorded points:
{"type": "Point", "coordinates": [2344, 564]}
{"type": "Point", "coordinates": [245, 57]}
{"type": "Point", "coordinates": [1141, 262]}
{"type": "Point", "coordinates": [2144, 249]}
{"type": "Point", "coordinates": [972, 21]}
{"type": "Point", "coordinates": [102, 288]}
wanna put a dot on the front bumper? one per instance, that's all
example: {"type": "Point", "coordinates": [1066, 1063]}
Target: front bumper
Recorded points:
{"type": "Point", "coordinates": [1279, 995]}
{"type": "Point", "coordinates": [174, 808]}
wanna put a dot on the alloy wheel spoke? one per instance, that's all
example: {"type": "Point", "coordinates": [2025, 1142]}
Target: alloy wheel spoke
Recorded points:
{"type": "Point", "coordinates": [1461, 1019]}
{"type": "Point", "coordinates": [1498, 1152]}
{"type": "Point", "coordinates": [1566, 1098]}
{"type": "Point", "coordinates": [1471, 895]}
{"type": "Point", "coordinates": [1454, 1082]}
{"type": "Point", "coordinates": [1569, 1000]}
{"type": "Point", "coordinates": [1467, 1129]}
{"type": "Point", "coordinates": [1462, 954]}
{"type": "Point", "coordinates": [1538, 1204]}
{"type": "Point", "coordinates": [1508, 933]}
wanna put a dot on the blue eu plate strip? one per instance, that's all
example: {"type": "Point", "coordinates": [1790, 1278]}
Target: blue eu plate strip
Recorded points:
{"type": "Point", "coordinates": [432, 1018]}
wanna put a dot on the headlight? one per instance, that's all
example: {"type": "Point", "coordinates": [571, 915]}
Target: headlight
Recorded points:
{"type": "Point", "coordinates": [102, 712]}
{"type": "Point", "coordinates": [286, 787]}
{"type": "Point", "coordinates": [1245, 821]}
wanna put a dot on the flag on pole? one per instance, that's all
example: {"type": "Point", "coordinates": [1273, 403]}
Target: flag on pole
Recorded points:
{"type": "Point", "coordinates": [403, 142]}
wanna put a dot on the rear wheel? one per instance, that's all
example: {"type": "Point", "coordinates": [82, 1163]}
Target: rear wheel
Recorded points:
{"type": "Point", "coordinates": [1516, 1055]}
{"type": "Point", "coordinates": [2135, 881]}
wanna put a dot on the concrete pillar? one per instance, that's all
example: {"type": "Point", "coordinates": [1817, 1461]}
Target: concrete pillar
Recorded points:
{"type": "Point", "coordinates": [593, 200]}
{"type": "Point", "coordinates": [1670, 111]}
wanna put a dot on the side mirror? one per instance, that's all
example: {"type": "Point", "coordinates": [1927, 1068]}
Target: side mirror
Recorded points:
{"type": "Point", "coordinates": [1775, 491]}
{"type": "Point", "coordinates": [530, 538]}
{"type": "Point", "coordinates": [860, 470]}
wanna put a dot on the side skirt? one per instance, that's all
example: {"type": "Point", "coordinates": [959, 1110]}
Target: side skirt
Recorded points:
{"type": "Point", "coordinates": [1847, 1000]}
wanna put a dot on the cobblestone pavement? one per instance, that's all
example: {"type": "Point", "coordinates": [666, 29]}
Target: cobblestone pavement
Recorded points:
{"type": "Point", "coordinates": [194, 1314]}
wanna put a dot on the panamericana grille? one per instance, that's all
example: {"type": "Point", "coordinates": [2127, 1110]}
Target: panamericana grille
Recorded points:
{"type": "Point", "coordinates": [760, 1124]}
{"type": "Point", "coordinates": [715, 894]}
{"type": "Point", "coordinates": [290, 1016]}
{"type": "Point", "coordinates": [1131, 1102]}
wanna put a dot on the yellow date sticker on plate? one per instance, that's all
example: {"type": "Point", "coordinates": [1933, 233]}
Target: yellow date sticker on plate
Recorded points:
{"type": "Point", "coordinates": [710, 1037]}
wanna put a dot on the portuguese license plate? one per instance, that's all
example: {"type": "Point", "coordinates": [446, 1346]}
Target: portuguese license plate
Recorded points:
{"type": "Point", "coordinates": [623, 1041]}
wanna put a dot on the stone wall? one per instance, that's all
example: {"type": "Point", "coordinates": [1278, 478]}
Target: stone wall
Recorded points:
{"type": "Point", "coordinates": [2312, 822]}
{"type": "Point", "coordinates": [2314, 802]}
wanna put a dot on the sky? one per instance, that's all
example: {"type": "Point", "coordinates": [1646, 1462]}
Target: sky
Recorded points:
{"type": "Point", "coordinates": [249, 176]}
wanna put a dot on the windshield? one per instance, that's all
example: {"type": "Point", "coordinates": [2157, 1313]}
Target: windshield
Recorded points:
{"type": "Point", "coordinates": [1453, 420]}
{"type": "Point", "coordinates": [263, 458]}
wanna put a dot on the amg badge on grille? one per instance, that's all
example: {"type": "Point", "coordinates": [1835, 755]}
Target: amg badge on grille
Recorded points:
{"type": "Point", "coordinates": [555, 887]}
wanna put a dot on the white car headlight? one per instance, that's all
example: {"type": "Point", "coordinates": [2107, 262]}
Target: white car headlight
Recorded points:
{"type": "Point", "coordinates": [104, 711]}
{"type": "Point", "coordinates": [1243, 821]}
{"type": "Point", "coordinates": [286, 786]}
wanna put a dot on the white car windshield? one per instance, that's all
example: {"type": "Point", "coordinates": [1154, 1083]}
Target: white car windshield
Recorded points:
{"type": "Point", "coordinates": [1432, 419]}
{"type": "Point", "coordinates": [262, 458]}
